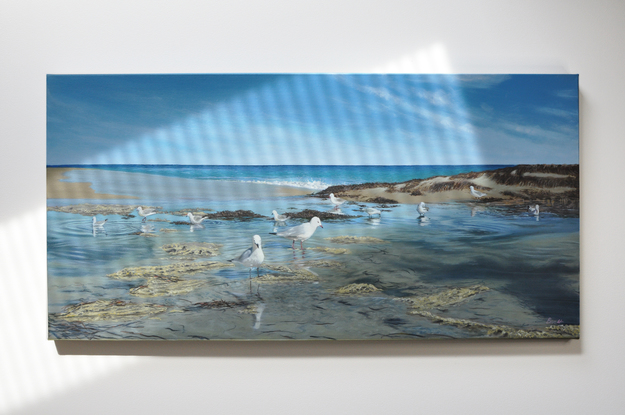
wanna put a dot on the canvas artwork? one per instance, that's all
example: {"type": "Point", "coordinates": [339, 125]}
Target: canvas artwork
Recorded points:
{"type": "Point", "coordinates": [312, 207]}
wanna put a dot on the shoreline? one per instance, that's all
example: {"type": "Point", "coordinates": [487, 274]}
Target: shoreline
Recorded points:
{"type": "Point", "coordinates": [57, 189]}
{"type": "Point", "coordinates": [537, 182]}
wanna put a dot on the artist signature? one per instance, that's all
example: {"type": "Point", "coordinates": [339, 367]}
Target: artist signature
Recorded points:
{"type": "Point", "coordinates": [552, 321]}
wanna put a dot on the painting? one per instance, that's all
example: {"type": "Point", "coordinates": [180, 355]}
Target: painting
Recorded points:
{"type": "Point", "coordinates": [312, 207]}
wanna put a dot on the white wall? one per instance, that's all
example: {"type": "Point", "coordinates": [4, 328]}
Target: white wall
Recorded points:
{"type": "Point", "coordinates": [486, 377]}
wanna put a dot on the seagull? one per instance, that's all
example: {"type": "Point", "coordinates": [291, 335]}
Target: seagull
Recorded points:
{"type": "Point", "coordinates": [145, 213]}
{"type": "Point", "coordinates": [97, 224]}
{"type": "Point", "coordinates": [534, 210]}
{"type": "Point", "coordinates": [421, 208]}
{"type": "Point", "coordinates": [300, 232]}
{"type": "Point", "coordinates": [252, 256]}
{"type": "Point", "coordinates": [336, 201]}
{"type": "Point", "coordinates": [195, 220]}
{"type": "Point", "coordinates": [279, 218]}
{"type": "Point", "coordinates": [476, 193]}
{"type": "Point", "coordinates": [373, 211]}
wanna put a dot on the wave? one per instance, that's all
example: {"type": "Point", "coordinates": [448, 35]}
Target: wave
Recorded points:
{"type": "Point", "coordinates": [302, 184]}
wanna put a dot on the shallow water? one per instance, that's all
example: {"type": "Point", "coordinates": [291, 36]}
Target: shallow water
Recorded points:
{"type": "Point", "coordinates": [531, 266]}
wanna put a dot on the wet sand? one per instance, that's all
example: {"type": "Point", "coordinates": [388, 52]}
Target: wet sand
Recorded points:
{"type": "Point", "coordinates": [142, 185]}
{"type": "Point", "coordinates": [57, 189]}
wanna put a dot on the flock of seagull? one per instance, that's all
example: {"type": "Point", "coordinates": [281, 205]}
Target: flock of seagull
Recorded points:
{"type": "Point", "coordinates": [253, 257]}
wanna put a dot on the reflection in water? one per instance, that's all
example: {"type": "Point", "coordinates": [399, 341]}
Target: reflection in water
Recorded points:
{"type": "Point", "coordinates": [500, 249]}
{"type": "Point", "coordinates": [374, 221]}
{"type": "Point", "coordinates": [147, 228]}
{"type": "Point", "coordinates": [259, 312]}
{"type": "Point", "coordinates": [477, 209]}
{"type": "Point", "coordinates": [193, 228]}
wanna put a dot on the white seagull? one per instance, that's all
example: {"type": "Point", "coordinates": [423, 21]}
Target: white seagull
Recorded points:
{"type": "Point", "coordinates": [373, 211]}
{"type": "Point", "coordinates": [476, 193]}
{"type": "Point", "coordinates": [96, 224]}
{"type": "Point", "coordinates": [144, 213]}
{"type": "Point", "coordinates": [336, 201]}
{"type": "Point", "coordinates": [534, 210]}
{"type": "Point", "coordinates": [252, 256]}
{"type": "Point", "coordinates": [300, 232]}
{"type": "Point", "coordinates": [279, 218]}
{"type": "Point", "coordinates": [195, 220]}
{"type": "Point", "coordinates": [421, 208]}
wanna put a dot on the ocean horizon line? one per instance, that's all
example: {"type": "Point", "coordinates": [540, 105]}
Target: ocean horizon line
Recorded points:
{"type": "Point", "coordinates": [296, 165]}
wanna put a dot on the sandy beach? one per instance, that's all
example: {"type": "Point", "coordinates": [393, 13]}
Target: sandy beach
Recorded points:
{"type": "Point", "coordinates": [523, 182]}
{"type": "Point", "coordinates": [57, 189]}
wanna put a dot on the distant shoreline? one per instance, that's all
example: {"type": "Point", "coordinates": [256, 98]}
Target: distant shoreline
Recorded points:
{"type": "Point", "coordinates": [525, 182]}
{"type": "Point", "coordinates": [57, 189]}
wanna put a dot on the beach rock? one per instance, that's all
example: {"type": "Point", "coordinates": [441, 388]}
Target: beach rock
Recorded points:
{"type": "Point", "coordinates": [232, 215]}
{"type": "Point", "coordinates": [195, 211]}
{"type": "Point", "coordinates": [159, 286]}
{"type": "Point", "coordinates": [356, 240]}
{"type": "Point", "coordinates": [192, 249]}
{"type": "Point", "coordinates": [109, 310]}
{"type": "Point", "coordinates": [173, 270]}
{"type": "Point", "coordinates": [356, 289]}
{"type": "Point", "coordinates": [335, 251]}
{"type": "Point", "coordinates": [551, 332]}
{"type": "Point", "coordinates": [89, 209]}
{"type": "Point", "coordinates": [308, 214]}
{"type": "Point", "coordinates": [380, 200]}
{"type": "Point", "coordinates": [217, 304]}
{"type": "Point", "coordinates": [445, 298]}
{"type": "Point", "coordinates": [168, 230]}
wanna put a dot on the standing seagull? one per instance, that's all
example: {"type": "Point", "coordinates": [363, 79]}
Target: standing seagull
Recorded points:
{"type": "Point", "coordinates": [145, 213]}
{"type": "Point", "coordinates": [195, 220]}
{"type": "Point", "coordinates": [279, 218]}
{"type": "Point", "coordinates": [373, 211]}
{"type": "Point", "coordinates": [252, 256]}
{"type": "Point", "coordinates": [534, 210]}
{"type": "Point", "coordinates": [476, 193]}
{"type": "Point", "coordinates": [96, 224]}
{"type": "Point", "coordinates": [421, 208]}
{"type": "Point", "coordinates": [300, 232]}
{"type": "Point", "coordinates": [336, 201]}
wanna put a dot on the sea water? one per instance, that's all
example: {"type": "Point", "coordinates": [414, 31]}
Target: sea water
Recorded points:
{"type": "Point", "coordinates": [530, 264]}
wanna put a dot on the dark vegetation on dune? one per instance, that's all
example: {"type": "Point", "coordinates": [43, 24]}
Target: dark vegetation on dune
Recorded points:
{"type": "Point", "coordinates": [524, 175]}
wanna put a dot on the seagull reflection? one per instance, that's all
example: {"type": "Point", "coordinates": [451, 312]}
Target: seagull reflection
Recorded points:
{"type": "Point", "coordinates": [423, 220]}
{"type": "Point", "coordinates": [259, 312]}
{"type": "Point", "coordinates": [147, 228]}
{"type": "Point", "coordinates": [193, 228]}
{"type": "Point", "coordinates": [374, 221]}
{"type": "Point", "coordinates": [476, 209]}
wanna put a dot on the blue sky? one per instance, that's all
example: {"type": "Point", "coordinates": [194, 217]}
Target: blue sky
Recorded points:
{"type": "Point", "coordinates": [312, 119]}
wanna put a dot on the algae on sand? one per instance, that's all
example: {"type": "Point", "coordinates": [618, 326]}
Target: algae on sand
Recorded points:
{"type": "Point", "coordinates": [286, 274]}
{"type": "Point", "coordinates": [493, 330]}
{"type": "Point", "coordinates": [356, 289]}
{"type": "Point", "coordinates": [356, 240]}
{"type": "Point", "coordinates": [159, 286]}
{"type": "Point", "coordinates": [192, 249]}
{"type": "Point", "coordinates": [324, 263]}
{"type": "Point", "coordinates": [445, 298]}
{"type": "Point", "coordinates": [173, 270]}
{"type": "Point", "coordinates": [109, 310]}
{"type": "Point", "coordinates": [335, 251]}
